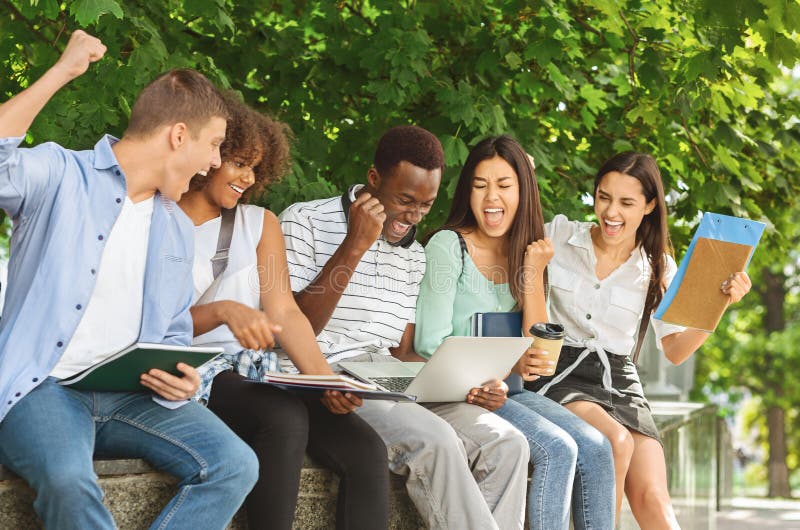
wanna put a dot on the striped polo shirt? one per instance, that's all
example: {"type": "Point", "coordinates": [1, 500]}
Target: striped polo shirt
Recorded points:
{"type": "Point", "coordinates": [381, 297]}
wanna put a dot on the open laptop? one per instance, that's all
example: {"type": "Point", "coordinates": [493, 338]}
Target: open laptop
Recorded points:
{"type": "Point", "coordinates": [458, 365]}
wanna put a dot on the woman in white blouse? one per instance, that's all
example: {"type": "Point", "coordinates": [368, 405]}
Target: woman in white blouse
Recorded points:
{"type": "Point", "coordinates": [603, 279]}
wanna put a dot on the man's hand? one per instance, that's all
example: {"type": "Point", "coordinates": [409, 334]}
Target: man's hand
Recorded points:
{"type": "Point", "coordinates": [339, 403]}
{"type": "Point", "coordinates": [736, 286]}
{"type": "Point", "coordinates": [491, 395]}
{"type": "Point", "coordinates": [365, 222]}
{"type": "Point", "coordinates": [251, 327]}
{"type": "Point", "coordinates": [170, 387]}
{"type": "Point", "coordinates": [534, 363]}
{"type": "Point", "coordinates": [82, 50]}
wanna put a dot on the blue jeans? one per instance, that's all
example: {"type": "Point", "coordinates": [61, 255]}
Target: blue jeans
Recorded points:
{"type": "Point", "coordinates": [50, 436]}
{"type": "Point", "coordinates": [571, 460]}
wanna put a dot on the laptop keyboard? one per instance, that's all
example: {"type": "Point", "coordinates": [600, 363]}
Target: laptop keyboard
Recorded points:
{"type": "Point", "coordinates": [393, 384]}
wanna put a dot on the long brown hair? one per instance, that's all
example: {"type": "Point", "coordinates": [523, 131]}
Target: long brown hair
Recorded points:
{"type": "Point", "coordinates": [652, 235]}
{"type": "Point", "coordinates": [528, 225]}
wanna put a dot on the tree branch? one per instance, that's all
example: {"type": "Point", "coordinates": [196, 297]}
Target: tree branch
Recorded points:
{"type": "Point", "coordinates": [632, 49]}
{"type": "Point", "coordinates": [65, 20]}
{"type": "Point", "coordinates": [359, 14]}
{"type": "Point", "coordinates": [694, 144]}
{"type": "Point", "coordinates": [566, 176]}
{"type": "Point", "coordinates": [16, 14]}
{"type": "Point", "coordinates": [582, 23]}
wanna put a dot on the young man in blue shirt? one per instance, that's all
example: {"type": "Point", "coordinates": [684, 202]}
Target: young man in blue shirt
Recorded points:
{"type": "Point", "coordinates": [101, 257]}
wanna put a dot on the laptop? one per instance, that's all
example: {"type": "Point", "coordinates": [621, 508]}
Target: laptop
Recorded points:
{"type": "Point", "coordinates": [458, 365]}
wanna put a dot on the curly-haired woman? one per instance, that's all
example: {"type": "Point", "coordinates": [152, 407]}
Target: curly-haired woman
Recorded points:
{"type": "Point", "coordinates": [249, 308]}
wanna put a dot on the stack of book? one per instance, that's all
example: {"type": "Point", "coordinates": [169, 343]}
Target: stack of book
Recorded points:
{"type": "Point", "coordinates": [319, 383]}
{"type": "Point", "coordinates": [324, 382]}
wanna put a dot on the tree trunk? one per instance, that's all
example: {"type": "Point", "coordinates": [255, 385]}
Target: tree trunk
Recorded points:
{"type": "Point", "coordinates": [777, 470]}
{"type": "Point", "coordinates": [773, 296]}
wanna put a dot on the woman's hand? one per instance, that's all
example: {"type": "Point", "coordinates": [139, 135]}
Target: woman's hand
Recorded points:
{"type": "Point", "coordinates": [736, 286]}
{"type": "Point", "coordinates": [533, 364]}
{"type": "Point", "coordinates": [251, 327]}
{"type": "Point", "coordinates": [537, 256]}
{"type": "Point", "coordinates": [491, 395]}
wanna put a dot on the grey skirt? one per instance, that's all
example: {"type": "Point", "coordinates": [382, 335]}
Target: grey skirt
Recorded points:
{"type": "Point", "coordinates": [585, 383]}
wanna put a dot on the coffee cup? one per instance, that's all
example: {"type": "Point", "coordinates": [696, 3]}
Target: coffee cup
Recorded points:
{"type": "Point", "coordinates": [549, 337]}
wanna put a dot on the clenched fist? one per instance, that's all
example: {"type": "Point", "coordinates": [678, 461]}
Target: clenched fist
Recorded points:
{"type": "Point", "coordinates": [366, 222]}
{"type": "Point", "coordinates": [537, 255]}
{"type": "Point", "coordinates": [82, 50]}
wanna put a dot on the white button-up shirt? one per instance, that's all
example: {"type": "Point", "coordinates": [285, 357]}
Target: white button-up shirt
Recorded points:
{"type": "Point", "coordinates": [598, 315]}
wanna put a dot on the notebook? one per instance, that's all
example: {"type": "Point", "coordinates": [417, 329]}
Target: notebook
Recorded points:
{"type": "Point", "coordinates": [458, 365]}
{"type": "Point", "coordinates": [121, 371]}
{"type": "Point", "coordinates": [318, 383]}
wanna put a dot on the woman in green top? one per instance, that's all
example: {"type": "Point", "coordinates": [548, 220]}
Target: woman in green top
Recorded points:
{"type": "Point", "coordinates": [490, 257]}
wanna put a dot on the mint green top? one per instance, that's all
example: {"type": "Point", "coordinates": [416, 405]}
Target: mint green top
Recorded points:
{"type": "Point", "coordinates": [451, 292]}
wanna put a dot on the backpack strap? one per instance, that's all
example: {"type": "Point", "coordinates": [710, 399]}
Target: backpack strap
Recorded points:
{"type": "Point", "coordinates": [219, 262]}
{"type": "Point", "coordinates": [463, 244]}
{"type": "Point", "coordinates": [640, 339]}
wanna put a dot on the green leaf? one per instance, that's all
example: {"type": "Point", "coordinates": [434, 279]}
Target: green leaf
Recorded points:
{"type": "Point", "coordinates": [455, 150]}
{"type": "Point", "coordinates": [594, 97]}
{"type": "Point", "coordinates": [87, 12]}
{"type": "Point", "coordinates": [726, 159]}
{"type": "Point", "coordinates": [513, 60]}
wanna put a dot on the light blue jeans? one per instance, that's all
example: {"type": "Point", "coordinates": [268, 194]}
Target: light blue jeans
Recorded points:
{"type": "Point", "coordinates": [572, 465]}
{"type": "Point", "coordinates": [50, 436]}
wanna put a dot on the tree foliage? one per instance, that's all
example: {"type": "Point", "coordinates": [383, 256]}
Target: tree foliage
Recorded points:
{"type": "Point", "coordinates": [574, 81]}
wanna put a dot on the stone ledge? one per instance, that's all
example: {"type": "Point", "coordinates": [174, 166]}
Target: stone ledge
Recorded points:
{"type": "Point", "coordinates": [135, 492]}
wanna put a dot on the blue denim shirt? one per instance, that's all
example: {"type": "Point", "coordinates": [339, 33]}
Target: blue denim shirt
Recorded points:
{"type": "Point", "coordinates": [63, 205]}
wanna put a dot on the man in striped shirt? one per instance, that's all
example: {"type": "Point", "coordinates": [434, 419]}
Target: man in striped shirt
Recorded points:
{"type": "Point", "coordinates": [355, 269]}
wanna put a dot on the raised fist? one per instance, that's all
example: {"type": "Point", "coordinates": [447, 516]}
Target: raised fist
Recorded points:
{"type": "Point", "coordinates": [537, 256]}
{"type": "Point", "coordinates": [366, 221]}
{"type": "Point", "coordinates": [82, 50]}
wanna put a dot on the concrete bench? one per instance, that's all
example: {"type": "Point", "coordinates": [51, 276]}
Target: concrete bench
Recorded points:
{"type": "Point", "coordinates": [135, 493]}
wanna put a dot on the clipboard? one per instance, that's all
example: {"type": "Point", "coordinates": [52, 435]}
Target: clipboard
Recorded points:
{"type": "Point", "coordinates": [721, 246]}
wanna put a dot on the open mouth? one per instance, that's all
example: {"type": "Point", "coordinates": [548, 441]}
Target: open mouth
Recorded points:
{"type": "Point", "coordinates": [493, 216]}
{"type": "Point", "coordinates": [237, 189]}
{"type": "Point", "coordinates": [203, 172]}
{"type": "Point", "coordinates": [400, 229]}
{"type": "Point", "coordinates": [612, 228]}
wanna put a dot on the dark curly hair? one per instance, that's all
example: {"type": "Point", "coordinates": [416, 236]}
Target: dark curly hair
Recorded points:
{"type": "Point", "coordinates": [410, 143]}
{"type": "Point", "coordinates": [251, 135]}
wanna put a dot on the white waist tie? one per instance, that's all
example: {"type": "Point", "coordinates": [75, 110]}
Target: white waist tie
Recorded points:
{"type": "Point", "coordinates": [589, 346]}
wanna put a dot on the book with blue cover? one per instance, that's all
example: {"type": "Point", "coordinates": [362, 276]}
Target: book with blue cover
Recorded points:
{"type": "Point", "coordinates": [501, 324]}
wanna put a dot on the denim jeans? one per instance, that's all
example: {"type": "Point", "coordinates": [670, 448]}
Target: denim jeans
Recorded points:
{"type": "Point", "coordinates": [50, 436]}
{"type": "Point", "coordinates": [465, 468]}
{"type": "Point", "coordinates": [571, 460]}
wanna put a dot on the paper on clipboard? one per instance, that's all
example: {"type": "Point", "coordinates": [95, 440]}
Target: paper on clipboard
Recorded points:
{"type": "Point", "coordinates": [721, 246]}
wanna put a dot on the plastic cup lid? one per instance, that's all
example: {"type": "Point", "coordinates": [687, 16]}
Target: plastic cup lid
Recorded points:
{"type": "Point", "coordinates": [548, 330]}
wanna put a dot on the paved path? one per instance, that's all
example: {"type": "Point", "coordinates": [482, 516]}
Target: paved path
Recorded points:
{"type": "Point", "coordinates": [760, 514]}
